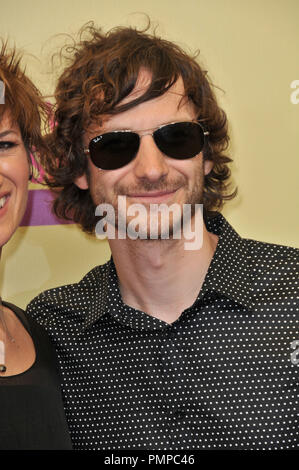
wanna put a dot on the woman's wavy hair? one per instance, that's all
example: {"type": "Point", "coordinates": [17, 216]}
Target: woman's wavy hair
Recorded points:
{"type": "Point", "coordinates": [22, 102]}
{"type": "Point", "coordinates": [102, 70]}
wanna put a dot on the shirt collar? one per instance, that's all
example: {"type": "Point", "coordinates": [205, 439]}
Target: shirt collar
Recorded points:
{"type": "Point", "coordinates": [110, 301]}
{"type": "Point", "coordinates": [230, 271]}
{"type": "Point", "coordinates": [98, 292]}
{"type": "Point", "coordinates": [229, 274]}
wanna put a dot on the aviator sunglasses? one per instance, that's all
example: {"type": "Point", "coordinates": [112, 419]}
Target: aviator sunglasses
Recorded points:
{"type": "Point", "coordinates": [115, 149]}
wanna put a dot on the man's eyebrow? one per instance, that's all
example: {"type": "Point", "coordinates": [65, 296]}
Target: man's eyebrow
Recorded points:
{"type": "Point", "coordinates": [5, 133]}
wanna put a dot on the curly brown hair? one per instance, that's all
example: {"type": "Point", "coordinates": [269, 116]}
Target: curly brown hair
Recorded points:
{"type": "Point", "coordinates": [102, 70]}
{"type": "Point", "coordinates": [22, 101]}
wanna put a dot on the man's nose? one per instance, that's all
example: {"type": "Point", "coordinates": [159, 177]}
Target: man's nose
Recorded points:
{"type": "Point", "coordinates": [150, 163]}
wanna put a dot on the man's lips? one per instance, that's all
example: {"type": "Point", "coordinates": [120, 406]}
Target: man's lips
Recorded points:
{"type": "Point", "coordinates": [152, 194]}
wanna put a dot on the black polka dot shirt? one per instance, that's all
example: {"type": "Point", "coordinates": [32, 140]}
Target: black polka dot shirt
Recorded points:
{"type": "Point", "coordinates": [222, 376]}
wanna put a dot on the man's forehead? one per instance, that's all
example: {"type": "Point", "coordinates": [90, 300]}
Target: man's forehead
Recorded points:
{"type": "Point", "coordinates": [176, 93]}
{"type": "Point", "coordinates": [143, 82]}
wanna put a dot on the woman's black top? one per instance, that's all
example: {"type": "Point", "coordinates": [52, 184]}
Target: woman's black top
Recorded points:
{"type": "Point", "coordinates": [31, 408]}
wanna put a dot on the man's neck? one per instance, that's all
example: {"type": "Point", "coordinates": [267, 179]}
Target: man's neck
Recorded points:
{"type": "Point", "coordinates": [160, 277]}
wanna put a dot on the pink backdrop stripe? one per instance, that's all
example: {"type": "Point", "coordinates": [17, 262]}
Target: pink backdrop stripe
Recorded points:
{"type": "Point", "coordinates": [39, 211]}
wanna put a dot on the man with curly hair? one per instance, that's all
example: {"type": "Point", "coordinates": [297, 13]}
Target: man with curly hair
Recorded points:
{"type": "Point", "coordinates": [162, 347]}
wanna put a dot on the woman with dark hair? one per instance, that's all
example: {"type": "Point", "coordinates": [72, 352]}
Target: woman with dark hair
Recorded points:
{"type": "Point", "coordinates": [32, 415]}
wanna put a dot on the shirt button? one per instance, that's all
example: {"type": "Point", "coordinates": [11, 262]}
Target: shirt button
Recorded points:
{"type": "Point", "coordinates": [170, 333]}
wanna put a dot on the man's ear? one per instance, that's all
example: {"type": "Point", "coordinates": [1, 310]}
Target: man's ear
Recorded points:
{"type": "Point", "coordinates": [81, 182]}
{"type": "Point", "coordinates": [208, 165]}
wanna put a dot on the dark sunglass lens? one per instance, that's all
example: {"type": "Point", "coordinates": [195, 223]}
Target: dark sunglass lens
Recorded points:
{"type": "Point", "coordinates": [180, 140]}
{"type": "Point", "coordinates": [114, 149]}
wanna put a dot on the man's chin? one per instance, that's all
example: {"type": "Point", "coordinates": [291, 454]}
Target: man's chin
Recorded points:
{"type": "Point", "coordinates": [151, 229]}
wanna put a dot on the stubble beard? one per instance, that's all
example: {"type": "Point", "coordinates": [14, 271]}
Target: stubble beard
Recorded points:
{"type": "Point", "coordinates": [192, 197]}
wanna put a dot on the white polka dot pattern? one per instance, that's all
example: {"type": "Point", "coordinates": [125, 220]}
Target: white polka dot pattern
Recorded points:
{"type": "Point", "coordinates": [220, 377]}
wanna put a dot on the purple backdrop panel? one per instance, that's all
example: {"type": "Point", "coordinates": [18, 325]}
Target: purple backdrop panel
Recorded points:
{"type": "Point", "coordinates": [38, 210]}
